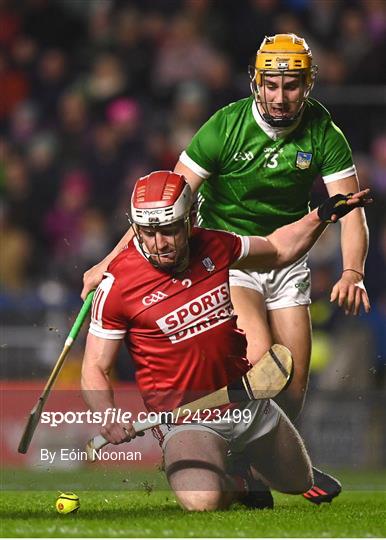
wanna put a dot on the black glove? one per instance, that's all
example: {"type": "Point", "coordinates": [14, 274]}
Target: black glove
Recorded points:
{"type": "Point", "coordinates": [335, 205]}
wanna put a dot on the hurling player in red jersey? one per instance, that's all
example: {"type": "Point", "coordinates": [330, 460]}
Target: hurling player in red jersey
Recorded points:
{"type": "Point", "coordinates": [167, 295]}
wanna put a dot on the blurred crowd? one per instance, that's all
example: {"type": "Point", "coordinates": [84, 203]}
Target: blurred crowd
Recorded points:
{"type": "Point", "coordinates": [95, 93]}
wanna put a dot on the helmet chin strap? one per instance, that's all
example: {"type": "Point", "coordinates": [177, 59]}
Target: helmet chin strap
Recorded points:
{"type": "Point", "coordinates": [278, 122]}
{"type": "Point", "coordinates": [180, 266]}
{"type": "Point", "coordinates": [268, 118]}
{"type": "Point", "coordinates": [154, 258]}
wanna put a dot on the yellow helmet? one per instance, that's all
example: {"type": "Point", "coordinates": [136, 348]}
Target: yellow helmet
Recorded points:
{"type": "Point", "coordinates": [283, 54]}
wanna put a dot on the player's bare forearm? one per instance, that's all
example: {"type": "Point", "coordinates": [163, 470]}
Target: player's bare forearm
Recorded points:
{"type": "Point", "coordinates": [349, 291]}
{"type": "Point", "coordinates": [97, 391]}
{"type": "Point", "coordinates": [295, 240]}
{"type": "Point", "coordinates": [193, 179]}
{"type": "Point", "coordinates": [354, 232]}
{"type": "Point", "coordinates": [289, 243]}
{"type": "Point", "coordinates": [98, 360]}
{"type": "Point", "coordinates": [126, 238]}
{"type": "Point", "coordinates": [93, 276]}
{"type": "Point", "coordinates": [285, 245]}
{"type": "Point", "coordinates": [354, 240]}
{"type": "Point", "coordinates": [100, 355]}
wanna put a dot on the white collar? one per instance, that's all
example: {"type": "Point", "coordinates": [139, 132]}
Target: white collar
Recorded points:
{"type": "Point", "coordinates": [273, 132]}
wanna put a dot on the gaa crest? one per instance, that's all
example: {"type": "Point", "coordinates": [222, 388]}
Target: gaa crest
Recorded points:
{"type": "Point", "coordinates": [303, 160]}
{"type": "Point", "coordinates": [209, 264]}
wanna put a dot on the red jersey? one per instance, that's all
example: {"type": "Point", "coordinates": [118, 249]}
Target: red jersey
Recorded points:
{"type": "Point", "coordinates": [181, 333]}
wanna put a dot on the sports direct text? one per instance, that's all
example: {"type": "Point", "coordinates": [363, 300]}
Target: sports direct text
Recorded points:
{"type": "Point", "coordinates": [199, 315]}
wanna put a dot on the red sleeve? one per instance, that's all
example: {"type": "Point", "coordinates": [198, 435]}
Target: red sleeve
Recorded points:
{"type": "Point", "coordinates": [107, 316]}
{"type": "Point", "coordinates": [236, 247]}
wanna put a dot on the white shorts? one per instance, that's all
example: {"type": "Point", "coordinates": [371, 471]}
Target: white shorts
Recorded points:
{"type": "Point", "coordinates": [265, 415]}
{"type": "Point", "coordinates": [287, 287]}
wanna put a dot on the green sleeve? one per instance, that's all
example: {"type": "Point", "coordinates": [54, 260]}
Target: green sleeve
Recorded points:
{"type": "Point", "coordinates": [337, 154]}
{"type": "Point", "coordinates": [206, 146]}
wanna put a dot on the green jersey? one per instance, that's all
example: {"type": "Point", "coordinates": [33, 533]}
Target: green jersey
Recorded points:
{"type": "Point", "coordinates": [259, 178]}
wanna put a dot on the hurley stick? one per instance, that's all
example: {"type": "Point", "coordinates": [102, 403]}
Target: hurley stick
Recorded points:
{"type": "Point", "coordinates": [264, 380]}
{"type": "Point", "coordinates": [37, 410]}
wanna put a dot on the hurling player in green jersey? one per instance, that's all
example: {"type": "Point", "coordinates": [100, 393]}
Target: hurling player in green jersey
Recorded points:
{"type": "Point", "coordinates": [253, 164]}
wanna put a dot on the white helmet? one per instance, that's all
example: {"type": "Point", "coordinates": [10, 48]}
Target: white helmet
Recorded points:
{"type": "Point", "coordinates": [160, 198]}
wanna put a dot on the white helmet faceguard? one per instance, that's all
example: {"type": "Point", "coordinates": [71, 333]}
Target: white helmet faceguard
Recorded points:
{"type": "Point", "coordinates": [159, 200]}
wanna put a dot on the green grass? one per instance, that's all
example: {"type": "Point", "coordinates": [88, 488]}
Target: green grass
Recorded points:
{"type": "Point", "coordinates": [115, 504]}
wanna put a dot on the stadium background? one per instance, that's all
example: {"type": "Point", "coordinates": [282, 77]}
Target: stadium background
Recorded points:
{"type": "Point", "coordinates": [94, 94]}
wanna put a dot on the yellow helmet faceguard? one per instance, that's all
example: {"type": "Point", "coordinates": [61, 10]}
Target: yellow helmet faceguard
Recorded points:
{"type": "Point", "coordinates": [282, 55]}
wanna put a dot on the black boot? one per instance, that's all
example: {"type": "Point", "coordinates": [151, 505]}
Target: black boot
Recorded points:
{"type": "Point", "coordinates": [325, 488]}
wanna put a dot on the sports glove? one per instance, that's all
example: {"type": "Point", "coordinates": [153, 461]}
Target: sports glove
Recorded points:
{"type": "Point", "coordinates": [335, 205]}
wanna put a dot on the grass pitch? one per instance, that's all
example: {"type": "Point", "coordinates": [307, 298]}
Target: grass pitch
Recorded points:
{"type": "Point", "coordinates": [114, 504]}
